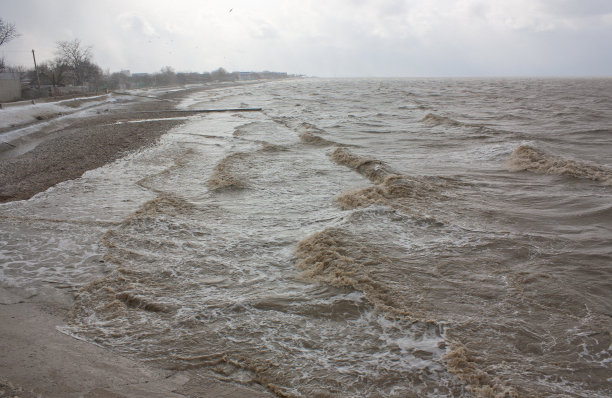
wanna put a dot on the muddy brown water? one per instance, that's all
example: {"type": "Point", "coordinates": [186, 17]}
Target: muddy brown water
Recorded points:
{"type": "Point", "coordinates": [377, 238]}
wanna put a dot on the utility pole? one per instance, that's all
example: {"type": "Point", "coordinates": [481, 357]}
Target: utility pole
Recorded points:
{"type": "Point", "coordinates": [36, 68]}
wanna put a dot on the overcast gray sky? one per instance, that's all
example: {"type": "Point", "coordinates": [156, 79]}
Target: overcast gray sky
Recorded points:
{"type": "Point", "coordinates": [325, 37]}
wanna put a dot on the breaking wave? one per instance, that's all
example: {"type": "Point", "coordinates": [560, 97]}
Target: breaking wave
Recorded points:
{"type": "Point", "coordinates": [311, 139]}
{"type": "Point", "coordinates": [392, 189]}
{"type": "Point", "coordinates": [267, 147]}
{"type": "Point", "coordinates": [244, 129]}
{"type": "Point", "coordinates": [461, 363]}
{"type": "Point", "coordinates": [344, 259]}
{"type": "Point", "coordinates": [484, 131]}
{"type": "Point", "coordinates": [165, 203]}
{"type": "Point", "coordinates": [527, 158]}
{"type": "Point", "coordinates": [310, 128]}
{"type": "Point", "coordinates": [228, 173]}
{"type": "Point", "coordinates": [331, 256]}
{"type": "Point", "coordinates": [375, 170]}
{"type": "Point", "coordinates": [309, 134]}
{"type": "Point", "coordinates": [409, 194]}
{"type": "Point", "coordinates": [435, 120]}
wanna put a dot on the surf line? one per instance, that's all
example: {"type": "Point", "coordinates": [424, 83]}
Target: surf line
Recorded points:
{"type": "Point", "coordinates": [202, 110]}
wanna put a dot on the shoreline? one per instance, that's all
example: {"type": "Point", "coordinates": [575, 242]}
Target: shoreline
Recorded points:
{"type": "Point", "coordinates": [65, 148]}
{"type": "Point", "coordinates": [37, 360]}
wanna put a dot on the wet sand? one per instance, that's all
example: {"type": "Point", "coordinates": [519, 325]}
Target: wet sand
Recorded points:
{"type": "Point", "coordinates": [36, 360]}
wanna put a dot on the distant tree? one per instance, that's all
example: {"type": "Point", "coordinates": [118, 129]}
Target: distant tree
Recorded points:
{"type": "Point", "coordinates": [55, 72]}
{"type": "Point", "coordinates": [7, 31]}
{"type": "Point", "coordinates": [91, 73]}
{"type": "Point", "coordinates": [182, 78]}
{"type": "Point", "coordinates": [116, 80]}
{"type": "Point", "coordinates": [77, 57]}
{"type": "Point", "coordinates": [142, 80]}
{"type": "Point", "coordinates": [17, 69]}
{"type": "Point", "coordinates": [167, 70]}
{"type": "Point", "coordinates": [167, 76]}
{"type": "Point", "coordinates": [220, 74]}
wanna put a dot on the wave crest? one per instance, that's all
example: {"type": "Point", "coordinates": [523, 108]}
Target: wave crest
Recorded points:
{"type": "Point", "coordinates": [390, 191]}
{"type": "Point", "coordinates": [334, 257]}
{"type": "Point", "coordinates": [311, 139]}
{"type": "Point", "coordinates": [527, 158]}
{"type": "Point", "coordinates": [310, 128]}
{"type": "Point", "coordinates": [268, 147]}
{"type": "Point", "coordinates": [375, 170]}
{"type": "Point", "coordinates": [227, 173]}
{"type": "Point", "coordinates": [436, 120]}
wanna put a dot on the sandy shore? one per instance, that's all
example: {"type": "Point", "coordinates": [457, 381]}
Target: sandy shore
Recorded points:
{"type": "Point", "coordinates": [36, 360]}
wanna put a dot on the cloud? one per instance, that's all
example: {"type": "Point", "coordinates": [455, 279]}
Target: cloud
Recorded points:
{"type": "Point", "coordinates": [136, 24]}
{"type": "Point", "coordinates": [578, 9]}
{"type": "Point", "coordinates": [335, 37]}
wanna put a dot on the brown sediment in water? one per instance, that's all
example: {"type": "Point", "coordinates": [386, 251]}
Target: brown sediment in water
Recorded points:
{"type": "Point", "coordinates": [260, 372]}
{"type": "Point", "coordinates": [243, 129]}
{"type": "Point", "coordinates": [134, 301]}
{"type": "Point", "coordinates": [435, 120]}
{"type": "Point", "coordinates": [337, 257]}
{"type": "Point", "coordinates": [39, 360]}
{"type": "Point", "coordinates": [460, 363]}
{"type": "Point", "coordinates": [312, 139]}
{"type": "Point", "coordinates": [133, 287]}
{"type": "Point", "coordinates": [409, 194]}
{"type": "Point", "coordinates": [267, 147]}
{"type": "Point", "coordinates": [341, 259]}
{"type": "Point", "coordinates": [227, 173]}
{"type": "Point", "coordinates": [180, 161]}
{"type": "Point", "coordinates": [332, 256]}
{"type": "Point", "coordinates": [527, 158]}
{"type": "Point", "coordinates": [165, 203]}
{"type": "Point", "coordinates": [309, 128]}
{"type": "Point", "coordinates": [375, 170]}
{"type": "Point", "coordinates": [395, 191]}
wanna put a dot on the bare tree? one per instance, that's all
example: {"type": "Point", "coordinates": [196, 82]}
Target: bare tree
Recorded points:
{"type": "Point", "coordinates": [54, 71]}
{"type": "Point", "coordinates": [77, 57]}
{"type": "Point", "coordinates": [219, 74]}
{"type": "Point", "coordinates": [167, 76]}
{"type": "Point", "coordinates": [7, 31]}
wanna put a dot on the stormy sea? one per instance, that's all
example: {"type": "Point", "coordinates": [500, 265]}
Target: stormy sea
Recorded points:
{"type": "Point", "coordinates": [355, 238]}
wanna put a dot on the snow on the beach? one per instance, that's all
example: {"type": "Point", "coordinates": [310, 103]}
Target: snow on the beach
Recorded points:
{"type": "Point", "coordinates": [17, 115]}
{"type": "Point", "coordinates": [20, 114]}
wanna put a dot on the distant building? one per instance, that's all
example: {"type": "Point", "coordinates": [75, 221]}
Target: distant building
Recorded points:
{"type": "Point", "coordinates": [247, 76]}
{"type": "Point", "coordinates": [272, 75]}
{"type": "Point", "coordinates": [260, 75]}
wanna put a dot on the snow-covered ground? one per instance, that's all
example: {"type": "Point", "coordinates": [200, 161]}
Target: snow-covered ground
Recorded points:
{"type": "Point", "coordinates": [17, 115]}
